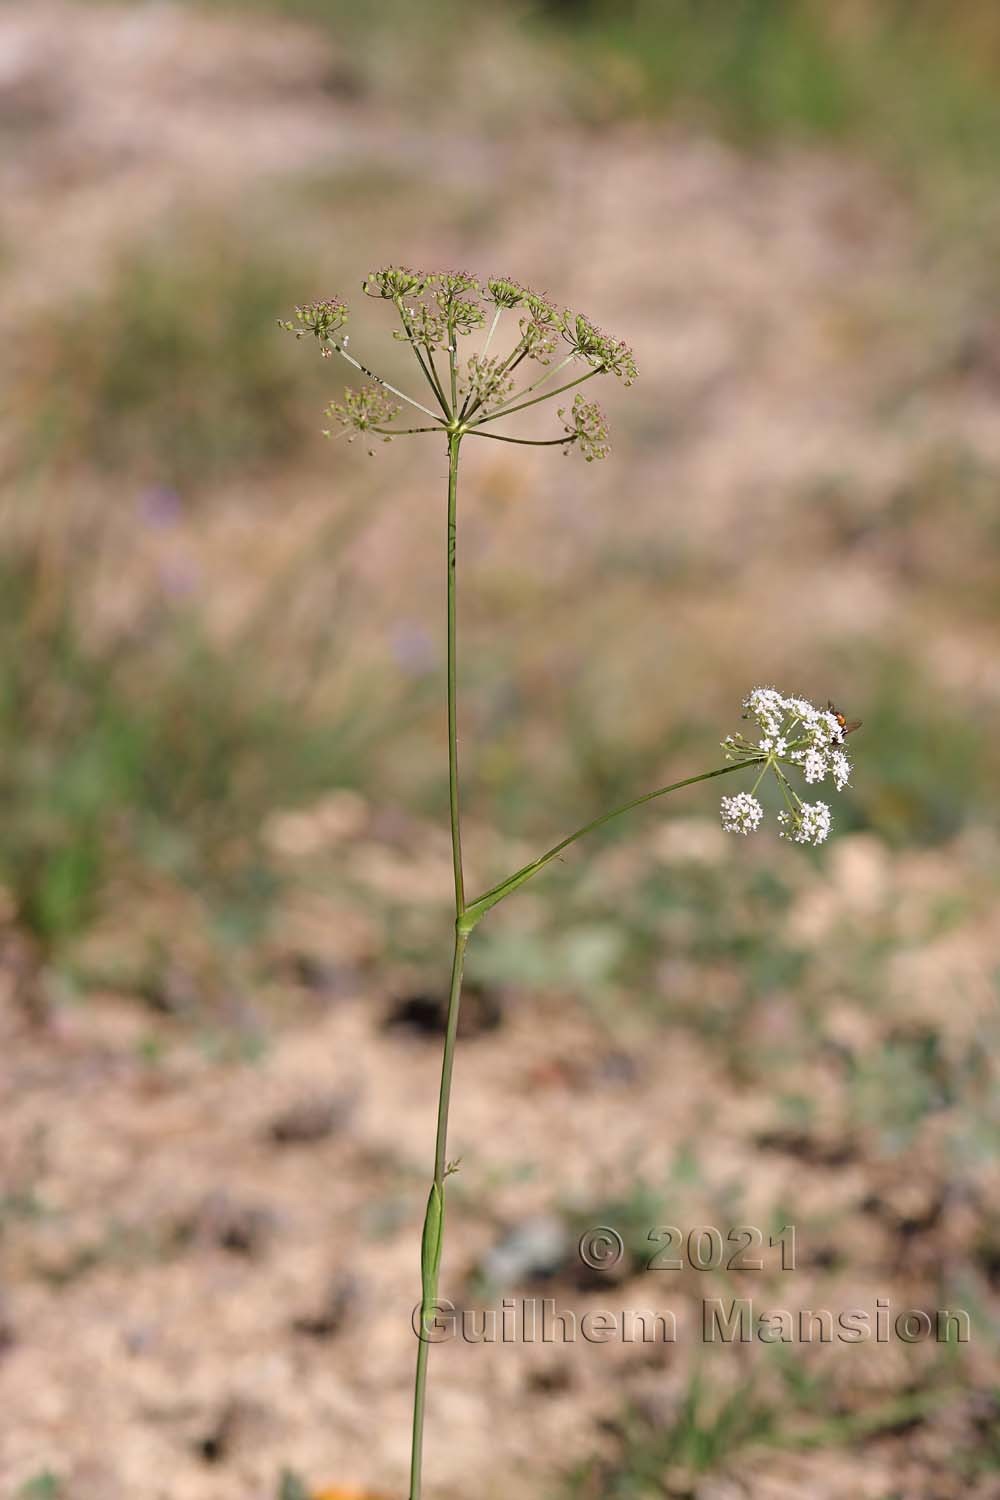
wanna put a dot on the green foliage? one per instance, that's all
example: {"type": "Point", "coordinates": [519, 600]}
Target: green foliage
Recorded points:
{"type": "Point", "coordinates": [784, 1404]}
{"type": "Point", "coordinates": [291, 1487]}
{"type": "Point", "coordinates": [895, 1085]}
{"type": "Point", "coordinates": [169, 756]}
{"type": "Point", "coordinates": [41, 1486]}
{"type": "Point", "coordinates": [725, 914]}
{"type": "Point", "coordinates": [911, 78]}
{"type": "Point", "coordinates": [632, 1214]}
{"type": "Point", "coordinates": [705, 1430]}
{"type": "Point", "coordinates": [929, 765]}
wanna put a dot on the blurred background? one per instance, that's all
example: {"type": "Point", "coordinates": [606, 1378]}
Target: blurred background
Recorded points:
{"type": "Point", "coordinates": [224, 869]}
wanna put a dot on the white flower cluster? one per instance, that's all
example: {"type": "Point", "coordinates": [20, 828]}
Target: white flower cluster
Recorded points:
{"type": "Point", "coordinates": [811, 826]}
{"type": "Point", "coordinates": [741, 814]}
{"type": "Point", "coordinates": [794, 733]}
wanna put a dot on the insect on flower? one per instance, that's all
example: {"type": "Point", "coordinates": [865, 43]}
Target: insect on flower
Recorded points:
{"type": "Point", "coordinates": [793, 733]}
{"type": "Point", "coordinates": [847, 726]}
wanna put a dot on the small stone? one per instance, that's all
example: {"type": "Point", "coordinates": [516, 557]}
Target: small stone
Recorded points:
{"type": "Point", "coordinates": [535, 1248]}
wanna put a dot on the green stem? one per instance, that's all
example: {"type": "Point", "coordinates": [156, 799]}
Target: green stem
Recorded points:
{"type": "Point", "coordinates": [760, 778]}
{"type": "Point", "coordinates": [434, 1221]}
{"type": "Point", "coordinates": [482, 355]}
{"type": "Point", "coordinates": [489, 337]}
{"type": "Point", "coordinates": [407, 431]}
{"type": "Point", "coordinates": [787, 790]}
{"type": "Point", "coordinates": [543, 379]}
{"type": "Point", "coordinates": [437, 378]}
{"type": "Point", "coordinates": [545, 396]}
{"type": "Point", "coordinates": [514, 358]}
{"type": "Point", "coordinates": [430, 374]}
{"type": "Point", "coordinates": [454, 441]}
{"type": "Point", "coordinates": [482, 904]}
{"type": "Point", "coordinates": [383, 383]}
{"type": "Point", "coordinates": [448, 1060]}
{"type": "Point", "coordinates": [429, 369]}
{"type": "Point", "coordinates": [453, 364]}
{"type": "Point", "coordinates": [526, 442]}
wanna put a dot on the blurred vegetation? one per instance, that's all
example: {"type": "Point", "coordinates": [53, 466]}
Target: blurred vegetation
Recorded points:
{"type": "Point", "coordinates": [173, 371]}
{"type": "Point", "coordinates": [911, 78]}
{"type": "Point", "coordinates": [153, 749]}
{"type": "Point", "coordinates": [707, 1429]}
{"type": "Point", "coordinates": [781, 1406]}
{"type": "Point", "coordinates": [173, 376]}
{"type": "Point", "coordinates": [41, 1486]}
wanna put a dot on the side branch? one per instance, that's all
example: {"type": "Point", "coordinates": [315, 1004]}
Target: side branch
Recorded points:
{"type": "Point", "coordinates": [482, 904]}
{"type": "Point", "coordinates": [384, 383]}
{"type": "Point", "coordinates": [508, 411]}
{"type": "Point", "coordinates": [496, 437]}
{"type": "Point", "coordinates": [426, 365]}
{"type": "Point", "coordinates": [402, 431]}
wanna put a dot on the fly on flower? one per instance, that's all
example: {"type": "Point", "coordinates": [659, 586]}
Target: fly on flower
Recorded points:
{"type": "Point", "coordinates": [847, 726]}
{"type": "Point", "coordinates": [794, 734]}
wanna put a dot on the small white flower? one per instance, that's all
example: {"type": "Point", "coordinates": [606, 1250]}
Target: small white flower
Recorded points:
{"type": "Point", "coordinates": [841, 767]}
{"type": "Point", "coordinates": [764, 699]}
{"type": "Point", "coordinates": [810, 825]}
{"type": "Point", "coordinates": [741, 814]}
{"type": "Point", "coordinates": [767, 706]}
{"type": "Point", "coordinates": [793, 732]}
{"type": "Point", "coordinates": [833, 728]}
{"type": "Point", "coordinates": [816, 821]}
{"type": "Point", "coordinates": [814, 766]}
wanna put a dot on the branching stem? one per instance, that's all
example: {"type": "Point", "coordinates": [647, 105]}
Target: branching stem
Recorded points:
{"type": "Point", "coordinates": [482, 904]}
{"type": "Point", "coordinates": [435, 1207]}
{"type": "Point", "coordinates": [384, 383]}
{"type": "Point", "coordinates": [507, 411]}
{"type": "Point", "coordinates": [571, 437]}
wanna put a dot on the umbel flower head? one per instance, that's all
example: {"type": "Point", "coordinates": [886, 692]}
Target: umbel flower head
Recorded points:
{"type": "Point", "coordinates": [393, 282]}
{"type": "Point", "coordinates": [585, 421]}
{"type": "Point", "coordinates": [793, 734]}
{"type": "Point", "coordinates": [605, 354]}
{"type": "Point", "coordinates": [365, 410]}
{"type": "Point", "coordinates": [504, 292]}
{"type": "Point", "coordinates": [513, 363]}
{"type": "Point", "coordinates": [321, 319]}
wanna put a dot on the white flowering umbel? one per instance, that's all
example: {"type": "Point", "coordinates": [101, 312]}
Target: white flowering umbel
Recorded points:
{"type": "Point", "coordinates": [793, 734]}
{"type": "Point", "coordinates": [742, 813]}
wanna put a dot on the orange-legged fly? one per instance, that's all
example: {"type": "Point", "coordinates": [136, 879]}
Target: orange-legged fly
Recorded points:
{"type": "Point", "coordinates": [847, 726]}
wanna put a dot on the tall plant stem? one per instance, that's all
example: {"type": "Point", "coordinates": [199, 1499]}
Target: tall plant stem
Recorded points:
{"type": "Point", "coordinates": [434, 1221]}
{"type": "Point", "coordinates": [454, 442]}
